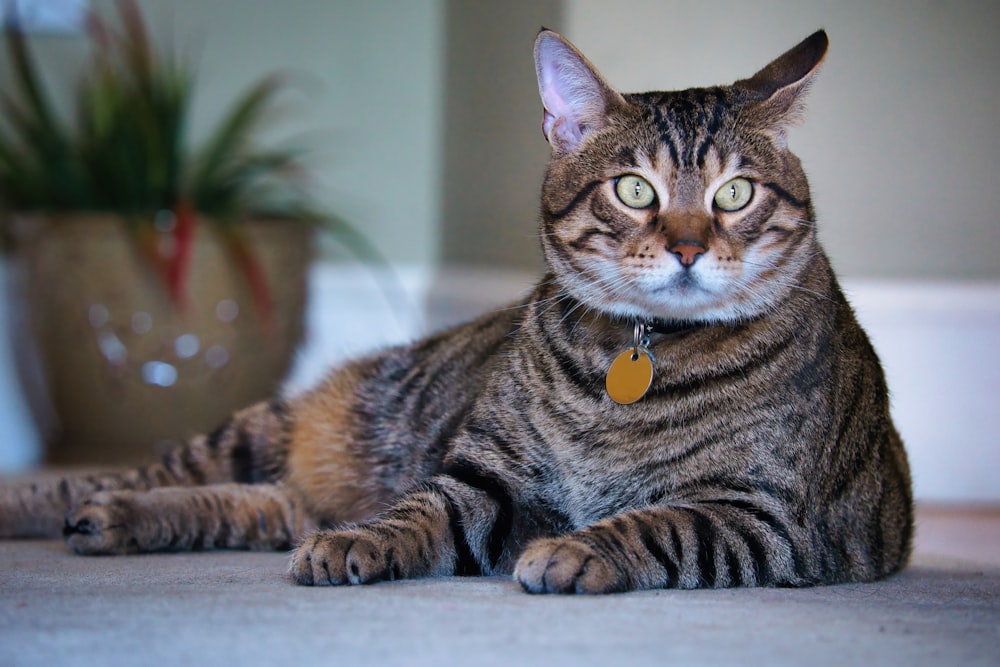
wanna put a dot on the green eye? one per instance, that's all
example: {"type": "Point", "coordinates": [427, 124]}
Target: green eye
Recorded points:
{"type": "Point", "coordinates": [734, 195]}
{"type": "Point", "coordinates": [635, 191]}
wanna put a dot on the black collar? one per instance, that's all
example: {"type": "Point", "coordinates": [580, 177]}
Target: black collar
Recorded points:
{"type": "Point", "coordinates": [671, 327]}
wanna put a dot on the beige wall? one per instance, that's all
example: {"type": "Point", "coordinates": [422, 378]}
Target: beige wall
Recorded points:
{"type": "Point", "coordinates": [494, 150]}
{"type": "Point", "coordinates": [429, 124]}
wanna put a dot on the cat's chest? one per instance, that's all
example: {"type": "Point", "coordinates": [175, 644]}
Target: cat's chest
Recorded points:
{"type": "Point", "coordinates": [590, 493]}
{"type": "Point", "coordinates": [602, 470]}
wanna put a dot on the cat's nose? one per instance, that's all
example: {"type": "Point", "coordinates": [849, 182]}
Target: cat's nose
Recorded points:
{"type": "Point", "coordinates": [687, 252]}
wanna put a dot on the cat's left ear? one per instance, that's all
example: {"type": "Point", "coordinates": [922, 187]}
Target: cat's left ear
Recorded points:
{"type": "Point", "coordinates": [778, 91]}
{"type": "Point", "coordinates": [574, 94]}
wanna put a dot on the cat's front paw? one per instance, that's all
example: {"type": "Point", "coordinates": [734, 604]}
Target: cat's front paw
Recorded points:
{"type": "Point", "coordinates": [100, 524]}
{"type": "Point", "coordinates": [336, 557]}
{"type": "Point", "coordinates": [566, 565]}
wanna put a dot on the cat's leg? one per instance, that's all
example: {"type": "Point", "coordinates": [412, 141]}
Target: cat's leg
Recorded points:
{"type": "Point", "coordinates": [694, 546]}
{"type": "Point", "coordinates": [228, 516]}
{"type": "Point", "coordinates": [249, 447]}
{"type": "Point", "coordinates": [447, 526]}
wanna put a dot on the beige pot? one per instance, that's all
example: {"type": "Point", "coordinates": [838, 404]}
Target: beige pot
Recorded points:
{"type": "Point", "coordinates": [115, 373]}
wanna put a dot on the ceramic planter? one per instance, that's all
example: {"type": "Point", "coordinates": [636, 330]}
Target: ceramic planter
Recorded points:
{"type": "Point", "coordinates": [115, 370]}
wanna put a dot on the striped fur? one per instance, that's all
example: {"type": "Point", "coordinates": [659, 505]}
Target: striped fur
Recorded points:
{"type": "Point", "coordinates": [763, 453]}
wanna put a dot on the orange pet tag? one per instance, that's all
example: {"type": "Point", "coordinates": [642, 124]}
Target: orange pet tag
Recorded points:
{"type": "Point", "coordinates": [630, 376]}
{"type": "Point", "coordinates": [631, 373]}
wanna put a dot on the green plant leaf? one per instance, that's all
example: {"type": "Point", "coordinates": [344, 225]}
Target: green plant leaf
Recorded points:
{"type": "Point", "coordinates": [25, 73]}
{"type": "Point", "coordinates": [124, 147]}
{"type": "Point", "coordinates": [232, 136]}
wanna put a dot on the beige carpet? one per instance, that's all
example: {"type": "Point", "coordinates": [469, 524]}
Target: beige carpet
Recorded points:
{"type": "Point", "coordinates": [239, 609]}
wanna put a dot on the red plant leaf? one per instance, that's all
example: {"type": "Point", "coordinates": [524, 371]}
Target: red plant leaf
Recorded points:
{"type": "Point", "coordinates": [253, 272]}
{"type": "Point", "coordinates": [180, 263]}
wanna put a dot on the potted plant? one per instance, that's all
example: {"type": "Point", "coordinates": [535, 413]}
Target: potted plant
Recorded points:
{"type": "Point", "coordinates": [160, 286]}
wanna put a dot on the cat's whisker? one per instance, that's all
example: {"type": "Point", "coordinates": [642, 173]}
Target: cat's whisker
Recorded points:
{"type": "Point", "coordinates": [777, 280]}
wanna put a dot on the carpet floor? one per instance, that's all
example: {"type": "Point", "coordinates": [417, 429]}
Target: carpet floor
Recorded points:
{"type": "Point", "coordinates": [240, 609]}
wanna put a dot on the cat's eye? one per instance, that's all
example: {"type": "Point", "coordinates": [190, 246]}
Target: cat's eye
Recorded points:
{"type": "Point", "coordinates": [634, 191]}
{"type": "Point", "coordinates": [734, 195]}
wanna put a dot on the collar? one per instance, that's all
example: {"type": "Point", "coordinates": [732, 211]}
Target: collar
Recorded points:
{"type": "Point", "coordinates": [670, 327]}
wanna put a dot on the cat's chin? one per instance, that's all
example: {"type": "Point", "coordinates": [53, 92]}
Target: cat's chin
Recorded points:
{"type": "Point", "coordinates": [676, 299]}
{"type": "Point", "coordinates": [696, 307]}
{"type": "Point", "coordinates": [660, 312]}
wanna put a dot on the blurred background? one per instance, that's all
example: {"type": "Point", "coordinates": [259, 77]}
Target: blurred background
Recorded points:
{"type": "Point", "coordinates": [423, 123]}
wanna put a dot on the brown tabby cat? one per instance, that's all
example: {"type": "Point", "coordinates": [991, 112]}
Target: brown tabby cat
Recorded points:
{"type": "Point", "coordinates": [684, 400]}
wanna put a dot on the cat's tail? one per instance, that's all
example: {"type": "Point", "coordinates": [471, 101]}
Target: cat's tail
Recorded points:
{"type": "Point", "coordinates": [250, 447]}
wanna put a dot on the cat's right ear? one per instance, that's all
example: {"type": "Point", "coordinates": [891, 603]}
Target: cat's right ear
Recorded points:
{"type": "Point", "coordinates": [574, 95]}
{"type": "Point", "coordinates": [779, 90]}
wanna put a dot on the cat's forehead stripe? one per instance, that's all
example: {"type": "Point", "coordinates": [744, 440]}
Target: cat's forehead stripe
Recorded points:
{"type": "Point", "coordinates": [688, 118]}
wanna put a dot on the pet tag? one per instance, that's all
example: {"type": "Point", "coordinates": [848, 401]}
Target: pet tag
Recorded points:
{"type": "Point", "coordinates": [631, 373]}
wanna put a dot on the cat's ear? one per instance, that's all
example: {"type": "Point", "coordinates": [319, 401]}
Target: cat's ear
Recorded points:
{"type": "Point", "coordinates": [574, 95]}
{"type": "Point", "coordinates": [778, 91]}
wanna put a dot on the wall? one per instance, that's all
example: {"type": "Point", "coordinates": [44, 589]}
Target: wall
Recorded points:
{"type": "Point", "coordinates": [370, 106]}
{"type": "Point", "coordinates": [494, 152]}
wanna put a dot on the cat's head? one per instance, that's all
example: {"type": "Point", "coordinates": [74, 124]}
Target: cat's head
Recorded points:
{"type": "Point", "coordinates": [681, 205]}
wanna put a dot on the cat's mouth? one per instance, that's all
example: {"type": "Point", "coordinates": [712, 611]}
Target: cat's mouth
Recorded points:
{"type": "Point", "coordinates": [686, 282]}
{"type": "Point", "coordinates": [683, 285]}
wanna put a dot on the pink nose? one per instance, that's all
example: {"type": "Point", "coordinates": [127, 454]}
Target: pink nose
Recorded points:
{"type": "Point", "coordinates": [687, 253]}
